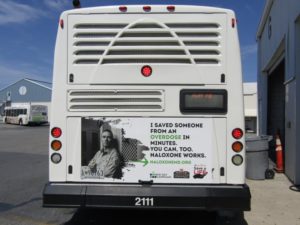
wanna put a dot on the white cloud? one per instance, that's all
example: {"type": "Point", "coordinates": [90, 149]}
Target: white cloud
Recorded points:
{"type": "Point", "coordinates": [249, 49]}
{"type": "Point", "coordinates": [13, 12]}
{"type": "Point", "coordinates": [57, 4]}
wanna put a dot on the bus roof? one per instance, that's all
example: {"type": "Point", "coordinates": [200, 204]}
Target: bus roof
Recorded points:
{"type": "Point", "coordinates": [154, 9]}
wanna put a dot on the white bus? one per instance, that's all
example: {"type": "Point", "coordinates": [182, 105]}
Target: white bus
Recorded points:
{"type": "Point", "coordinates": [147, 110]}
{"type": "Point", "coordinates": [25, 114]}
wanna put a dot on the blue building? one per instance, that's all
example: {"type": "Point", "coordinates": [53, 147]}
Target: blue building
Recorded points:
{"type": "Point", "coordinates": [26, 91]}
{"type": "Point", "coordinates": [278, 39]}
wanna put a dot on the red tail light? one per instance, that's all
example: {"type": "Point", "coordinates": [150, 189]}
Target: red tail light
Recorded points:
{"type": "Point", "coordinates": [56, 132]}
{"type": "Point", "coordinates": [237, 133]}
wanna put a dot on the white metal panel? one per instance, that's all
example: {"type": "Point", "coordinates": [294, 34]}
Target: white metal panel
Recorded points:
{"type": "Point", "coordinates": [96, 57]}
{"type": "Point", "coordinates": [73, 147]}
{"type": "Point", "coordinates": [170, 78]}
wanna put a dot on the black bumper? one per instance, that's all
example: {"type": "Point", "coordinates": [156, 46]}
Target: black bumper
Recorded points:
{"type": "Point", "coordinates": [206, 197]}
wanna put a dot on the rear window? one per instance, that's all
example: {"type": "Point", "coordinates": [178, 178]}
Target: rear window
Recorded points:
{"type": "Point", "coordinates": [203, 101]}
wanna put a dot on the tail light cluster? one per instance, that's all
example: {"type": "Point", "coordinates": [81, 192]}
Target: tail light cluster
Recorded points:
{"type": "Point", "coordinates": [237, 146]}
{"type": "Point", "coordinates": [56, 144]}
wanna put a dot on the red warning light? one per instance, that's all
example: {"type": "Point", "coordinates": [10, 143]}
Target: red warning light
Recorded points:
{"type": "Point", "coordinates": [171, 8]}
{"type": "Point", "coordinates": [123, 8]}
{"type": "Point", "coordinates": [146, 71]}
{"type": "Point", "coordinates": [61, 23]}
{"type": "Point", "coordinates": [147, 8]}
{"type": "Point", "coordinates": [233, 22]}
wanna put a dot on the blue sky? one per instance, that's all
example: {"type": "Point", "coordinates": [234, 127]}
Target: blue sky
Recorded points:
{"type": "Point", "coordinates": [28, 32]}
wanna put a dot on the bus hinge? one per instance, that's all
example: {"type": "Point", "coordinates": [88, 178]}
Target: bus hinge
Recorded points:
{"type": "Point", "coordinates": [146, 182]}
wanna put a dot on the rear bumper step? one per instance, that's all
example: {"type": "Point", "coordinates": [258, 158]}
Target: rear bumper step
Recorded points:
{"type": "Point", "coordinates": [208, 197]}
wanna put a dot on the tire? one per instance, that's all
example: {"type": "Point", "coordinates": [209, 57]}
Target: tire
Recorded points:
{"type": "Point", "coordinates": [21, 122]}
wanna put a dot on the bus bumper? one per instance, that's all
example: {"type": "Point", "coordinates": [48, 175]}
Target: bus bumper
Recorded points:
{"type": "Point", "coordinates": [204, 197]}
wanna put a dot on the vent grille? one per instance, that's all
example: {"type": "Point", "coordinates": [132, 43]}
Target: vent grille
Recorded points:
{"type": "Point", "coordinates": [147, 42]}
{"type": "Point", "coordinates": [116, 100]}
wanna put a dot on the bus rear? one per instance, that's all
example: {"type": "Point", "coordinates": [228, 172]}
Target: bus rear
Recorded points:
{"type": "Point", "coordinates": [147, 110]}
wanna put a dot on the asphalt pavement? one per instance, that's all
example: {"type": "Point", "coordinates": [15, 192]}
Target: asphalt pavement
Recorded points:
{"type": "Point", "coordinates": [24, 171]}
{"type": "Point", "coordinates": [273, 202]}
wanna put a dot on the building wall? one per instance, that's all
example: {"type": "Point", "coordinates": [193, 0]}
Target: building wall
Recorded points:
{"type": "Point", "coordinates": [250, 104]}
{"type": "Point", "coordinates": [272, 49]}
{"type": "Point", "coordinates": [25, 91]}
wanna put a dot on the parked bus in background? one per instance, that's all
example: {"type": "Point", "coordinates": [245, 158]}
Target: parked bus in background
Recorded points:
{"type": "Point", "coordinates": [25, 114]}
{"type": "Point", "coordinates": [148, 110]}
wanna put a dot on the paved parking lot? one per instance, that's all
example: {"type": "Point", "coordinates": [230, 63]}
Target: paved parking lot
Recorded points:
{"type": "Point", "coordinates": [273, 203]}
{"type": "Point", "coordinates": [24, 171]}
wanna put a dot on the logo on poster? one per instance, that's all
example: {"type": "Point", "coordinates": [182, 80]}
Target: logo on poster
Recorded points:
{"type": "Point", "coordinates": [159, 175]}
{"type": "Point", "coordinates": [200, 171]}
{"type": "Point", "coordinates": [181, 174]}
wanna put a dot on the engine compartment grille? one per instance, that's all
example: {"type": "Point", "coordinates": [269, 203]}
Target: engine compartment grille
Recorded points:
{"type": "Point", "coordinates": [115, 100]}
{"type": "Point", "coordinates": [147, 42]}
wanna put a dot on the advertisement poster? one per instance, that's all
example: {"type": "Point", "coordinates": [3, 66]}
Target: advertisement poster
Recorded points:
{"type": "Point", "coordinates": [158, 150]}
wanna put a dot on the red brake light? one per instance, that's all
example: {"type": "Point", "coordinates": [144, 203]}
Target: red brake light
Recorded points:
{"type": "Point", "coordinates": [237, 133]}
{"type": "Point", "coordinates": [146, 71]}
{"type": "Point", "coordinates": [147, 8]}
{"type": "Point", "coordinates": [123, 8]}
{"type": "Point", "coordinates": [56, 132]}
{"type": "Point", "coordinates": [171, 8]}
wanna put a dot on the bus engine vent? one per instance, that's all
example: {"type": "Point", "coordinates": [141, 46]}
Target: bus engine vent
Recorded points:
{"type": "Point", "coordinates": [147, 42]}
{"type": "Point", "coordinates": [116, 100]}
